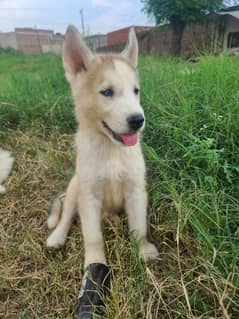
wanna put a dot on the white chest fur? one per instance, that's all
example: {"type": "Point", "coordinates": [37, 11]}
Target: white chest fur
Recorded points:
{"type": "Point", "coordinates": [106, 169]}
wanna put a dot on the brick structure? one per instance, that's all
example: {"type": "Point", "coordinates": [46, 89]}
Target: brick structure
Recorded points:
{"type": "Point", "coordinates": [196, 38]}
{"type": "Point", "coordinates": [8, 40]}
{"type": "Point", "coordinates": [156, 40]}
{"type": "Point", "coordinates": [219, 33]}
{"type": "Point", "coordinates": [121, 36]}
{"type": "Point", "coordinates": [37, 40]}
{"type": "Point", "coordinates": [96, 41]}
{"type": "Point", "coordinates": [32, 41]}
{"type": "Point", "coordinates": [199, 38]}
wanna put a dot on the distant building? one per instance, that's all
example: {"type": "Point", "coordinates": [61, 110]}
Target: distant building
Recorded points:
{"type": "Point", "coordinates": [121, 36]}
{"type": "Point", "coordinates": [219, 33]}
{"type": "Point", "coordinates": [117, 37]}
{"type": "Point", "coordinates": [29, 40]}
{"type": "Point", "coordinates": [96, 41]}
{"type": "Point", "coordinates": [227, 36]}
{"type": "Point", "coordinates": [8, 40]}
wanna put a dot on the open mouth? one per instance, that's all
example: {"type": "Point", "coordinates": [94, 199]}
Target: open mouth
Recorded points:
{"type": "Point", "coordinates": [129, 139]}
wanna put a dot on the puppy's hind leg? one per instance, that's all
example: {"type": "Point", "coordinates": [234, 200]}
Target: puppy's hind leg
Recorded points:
{"type": "Point", "coordinates": [2, 189]}
{"type": "Point", "coordinates": [58, 236]}
{"type": "Point", "coordinates": [55, 211]}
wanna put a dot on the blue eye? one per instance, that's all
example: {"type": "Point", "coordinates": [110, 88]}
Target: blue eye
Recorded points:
{"type": "Point", "coordinates": [107, 92]}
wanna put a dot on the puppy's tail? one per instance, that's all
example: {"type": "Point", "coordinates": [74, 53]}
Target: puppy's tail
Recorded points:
{"type": "Point", "coordinates": [55, 211]}
{"type": "Point", "coordinates": [6, 162]}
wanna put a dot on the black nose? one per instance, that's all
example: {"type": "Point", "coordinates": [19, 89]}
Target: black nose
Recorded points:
{"type": "Point", "coordinates": [135, 121]}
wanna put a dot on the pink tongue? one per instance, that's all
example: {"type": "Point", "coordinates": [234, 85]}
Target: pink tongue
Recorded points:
{"type": "Point", "coordinates": [129, 139]}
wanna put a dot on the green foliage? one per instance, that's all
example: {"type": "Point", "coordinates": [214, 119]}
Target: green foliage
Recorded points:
{"type": "Point", "coordinates": [175, 11]}
{"type": "Point", "coordinates": [30, 94]}
{"type": "Point", "coordinates": [9, 50]}
{"type": "Point", "coordinates": [193, 149]}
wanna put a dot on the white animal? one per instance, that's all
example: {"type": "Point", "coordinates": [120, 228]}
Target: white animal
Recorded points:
{"type": "Point", "coordinates": [110, 168]}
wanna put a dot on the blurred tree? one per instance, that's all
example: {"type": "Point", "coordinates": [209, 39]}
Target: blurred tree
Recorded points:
{"type": "Point", "coordinates": [179, 13]}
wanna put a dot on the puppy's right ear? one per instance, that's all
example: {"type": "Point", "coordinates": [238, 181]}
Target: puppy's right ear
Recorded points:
{"type": "Point", "coordinates": [76, 54]}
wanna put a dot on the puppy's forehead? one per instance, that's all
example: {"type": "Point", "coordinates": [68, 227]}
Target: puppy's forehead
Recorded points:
{"type": "Point", "coordinates": [112, 68]}
{"type": "Point", "coordinates": [124, 69]}
{"type": "Point", "coordinates": [120, 74]}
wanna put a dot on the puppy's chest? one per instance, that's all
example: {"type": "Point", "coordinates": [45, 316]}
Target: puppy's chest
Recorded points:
{"type": "Point", "coordinates": [114, 179]}
{"type": "Point", "coordinates": [113, 170]}
{"type": "Point", "coordinates": [107, 173]}
{"type": "Point", "coordinates": [113, 196]}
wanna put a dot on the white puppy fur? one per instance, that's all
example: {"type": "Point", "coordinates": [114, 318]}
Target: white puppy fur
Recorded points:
{"type": "Point", "coordinates": [110, 168]}
{"type": "Point", "coordinates": [6, 162]}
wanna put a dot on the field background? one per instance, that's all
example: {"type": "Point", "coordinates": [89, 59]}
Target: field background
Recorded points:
{"type": "Point", "coordinates": [191, 146]}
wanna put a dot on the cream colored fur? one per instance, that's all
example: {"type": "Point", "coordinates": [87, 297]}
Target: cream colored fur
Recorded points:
{"type": "Point", "coordinates": [109, 175]}
{"type": "Point", "coordinates": [6, 162]}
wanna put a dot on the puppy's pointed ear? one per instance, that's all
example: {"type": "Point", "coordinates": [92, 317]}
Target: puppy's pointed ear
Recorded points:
{"type": "Point", "coordinates": [76, 55]}
{"type": "Point", "coordinates": [131, 50]}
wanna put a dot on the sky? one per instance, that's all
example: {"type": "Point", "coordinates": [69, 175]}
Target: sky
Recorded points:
{"type": "Point", "coordinates": [100, 16]}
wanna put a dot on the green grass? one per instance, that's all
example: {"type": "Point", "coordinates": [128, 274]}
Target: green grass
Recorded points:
{"type": "Point", "coordinates": [191, 145]}
{"type": "Point", "coordinates": [33, 91]}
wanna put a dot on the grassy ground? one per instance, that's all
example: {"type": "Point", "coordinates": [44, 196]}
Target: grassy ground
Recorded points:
{"type": "Point", "coordinates": [191, 146]}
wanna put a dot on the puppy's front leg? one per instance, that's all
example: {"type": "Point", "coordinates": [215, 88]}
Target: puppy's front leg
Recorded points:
{"type": "Point", "coordinates": [90, 215]}
{"type": "Point", "coordinates": [136, 208]}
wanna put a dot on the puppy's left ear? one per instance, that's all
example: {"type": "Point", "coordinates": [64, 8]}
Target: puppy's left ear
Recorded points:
{"type": "Point", "coordinates": [76, 55]}
{"type": "Point", "coordinates": [131, 50]}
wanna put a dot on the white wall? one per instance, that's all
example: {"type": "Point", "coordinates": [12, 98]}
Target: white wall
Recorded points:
{"type": "Point", "coordinates": [54, 48]}
{"type": "Point", "coordinates": [231, 25]}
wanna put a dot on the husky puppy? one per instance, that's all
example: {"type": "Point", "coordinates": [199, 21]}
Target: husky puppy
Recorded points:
{"type": "Point", "coordinates": [110, 168]}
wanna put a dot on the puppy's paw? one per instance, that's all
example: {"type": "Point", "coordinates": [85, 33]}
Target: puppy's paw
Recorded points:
{"type": "Point", "coordinates": [111, 218]}
{"type": "Point", "coordinates": [148, 251]}
{"type": "Point", "coordinates": [56, 239]}
{"type": "Point", "coordinates": [52, 221]}
{"type": "Point", "coordinates": [114, 219]}
{"type": "Point", "coordinates": [2, 189]}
